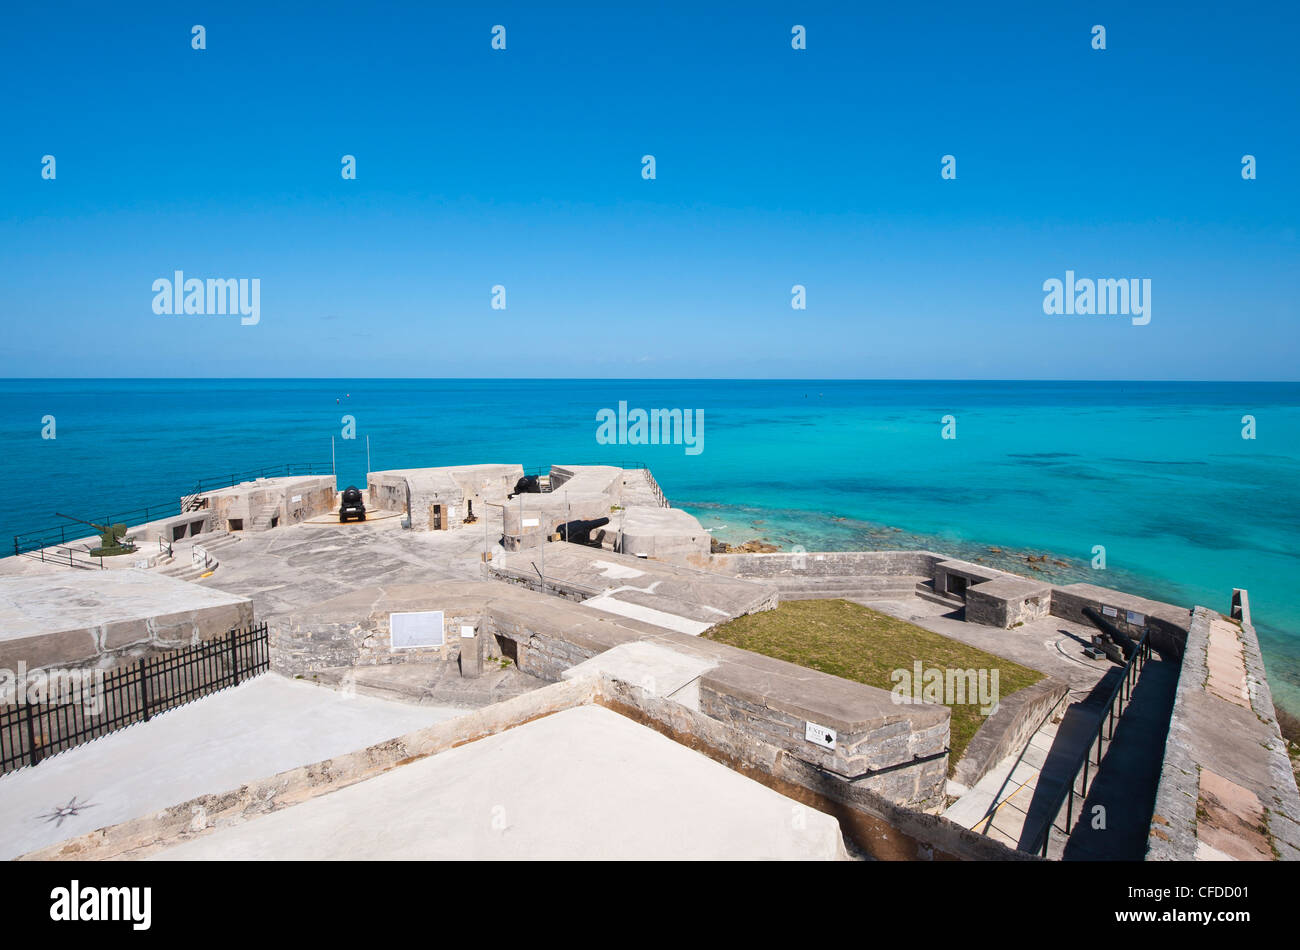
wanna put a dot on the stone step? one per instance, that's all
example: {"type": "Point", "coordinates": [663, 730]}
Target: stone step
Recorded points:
{"type": "Point", "coordinates": [262, 520]}
{"type": "Point", "coordinates": [925, 590]}
{"type": "Point", "coordinates": [214, 540]}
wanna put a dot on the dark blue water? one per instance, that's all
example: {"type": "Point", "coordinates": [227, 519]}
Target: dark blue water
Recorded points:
{"type": "Point", "coordinates": [1157, 473]}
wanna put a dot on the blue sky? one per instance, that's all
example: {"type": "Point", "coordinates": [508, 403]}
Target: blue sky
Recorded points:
{"type": "Point", "coordinates": [775, 167]}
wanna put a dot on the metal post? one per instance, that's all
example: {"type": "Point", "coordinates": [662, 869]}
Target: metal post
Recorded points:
{"type": "Point", "coordinates": [234, 657]}
{"type": "Point", "coordinates": [33, 754]}
{"type": "Point", "coordinates": [144, 693]}
{"type": "Point", "coordinates": [367, 461]}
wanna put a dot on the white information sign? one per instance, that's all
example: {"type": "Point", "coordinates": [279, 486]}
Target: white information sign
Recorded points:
{"type": "Point", "coordinates": [466, 631]}
{"type": "Point", "coordinates": [1136, 618]}
{"type": "Point", "coordinates": [823, 736]}
{"type": "Point", "coordinates": [1110, 611]}
{"type": "Point", "coordinates": [531, 522]}
{"type": "Point", "coordinates": [417, 629]}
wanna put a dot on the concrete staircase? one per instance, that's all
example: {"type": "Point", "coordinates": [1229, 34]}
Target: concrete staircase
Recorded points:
{"type": "Point", "coordinates": [262, 520]}
{"type": "Point", "coordinates": [181, 562]}
{"type": "Point", "coordinates": [925, 590]}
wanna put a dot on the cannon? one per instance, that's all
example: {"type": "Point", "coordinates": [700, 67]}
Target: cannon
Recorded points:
{"type": "Point", "coordinates": [352, 505]}
{"type": "Point", "coordinates": [1112, 640]}
{"type": "Point", "coordinates": [579, 532]}
{"type": "Point", "coordinates": [528, 485]}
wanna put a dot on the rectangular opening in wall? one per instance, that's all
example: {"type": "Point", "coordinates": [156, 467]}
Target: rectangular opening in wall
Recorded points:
{"type": "Point", "coordinates": [957, 586]}
{"type": "Point", "coordinates": [236, 524]}
{"type": "Point", "coordinates": [509, 649]}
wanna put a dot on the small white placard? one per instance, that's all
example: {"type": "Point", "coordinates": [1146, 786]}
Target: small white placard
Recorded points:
{"type": "Point", "coordinates": [466, 631]}
{"type": "Point", "coordinates": [1109, 611]}
{"type": "Point", "coordinates": [1136, 618]}
{"type": "Point", "coordinates": [295, 499]}
{"type": "Point", "coordinates": [531, 522]}
{"type": "Point", "coordinates": [420, 629]}
{"type": "Point", "coordinates": [819, 735]}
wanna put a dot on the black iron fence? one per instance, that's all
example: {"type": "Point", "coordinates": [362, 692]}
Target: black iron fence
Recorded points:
{"type": "Point", "coordinates": [39, 538]}
{"type": "Point", "coordinates": [51, 712]}
{"type": "Point", "coordinates": [1089, 761]}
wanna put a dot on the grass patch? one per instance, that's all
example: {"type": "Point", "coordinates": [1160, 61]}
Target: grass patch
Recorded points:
{"type": "Point", "coordinates": [866, 646]}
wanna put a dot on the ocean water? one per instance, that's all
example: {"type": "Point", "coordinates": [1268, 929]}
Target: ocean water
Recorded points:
{"type": "Point", "coordinates": [1156, 473]}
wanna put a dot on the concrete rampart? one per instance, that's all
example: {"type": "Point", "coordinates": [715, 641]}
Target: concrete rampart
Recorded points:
{"type": "Point", "coordinates": [1226, 786]}
{"type": "Point", "coordinates": [1167, 623]}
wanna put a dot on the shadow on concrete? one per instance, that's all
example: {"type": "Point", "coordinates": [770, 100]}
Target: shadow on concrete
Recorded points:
{"type": "Point", "coordinates": [1126, 785]}
{"type": "Point", "coordinates": [1076, 732]}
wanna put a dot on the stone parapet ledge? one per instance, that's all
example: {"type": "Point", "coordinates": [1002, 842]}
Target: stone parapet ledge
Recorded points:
{"type": "Point", "coordinates": [1226, 786]}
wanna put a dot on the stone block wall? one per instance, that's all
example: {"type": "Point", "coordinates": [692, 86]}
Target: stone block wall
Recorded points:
{"type": "Point", "coordinates": [1008, 602]}
{"type": "Point", "coordinates": [887, 748]}
{"type": "Point", "coordinates": [1167, 623]}
{"type": "Point", "coordinates": [829, 563]}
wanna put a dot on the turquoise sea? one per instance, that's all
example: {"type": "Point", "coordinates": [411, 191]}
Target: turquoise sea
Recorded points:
{"type": "Point", "coordinates": [1156, 472]}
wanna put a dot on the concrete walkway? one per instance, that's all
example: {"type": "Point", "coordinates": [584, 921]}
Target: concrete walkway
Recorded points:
{"type": "Point", "coordinates": [263, 726]}
{"type": "Point", "coordinates": [584, 783]}
{"type": "Point", "coordinates": [1126, 785]}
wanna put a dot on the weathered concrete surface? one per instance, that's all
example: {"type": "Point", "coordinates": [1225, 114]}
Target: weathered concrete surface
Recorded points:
{"type": "Point", "coordinates": [549, 635]}
{"type": "Point", "coordinates": [583, 783]}
{"type": "Point", "coordinates": [669, 596]}
{"type": "Point", "coordinates": [1009, 729]}
{"type": "Point", "coordinates": [1008, 602]}
{"type": "Point", "coordinates": [879, 826]}
{"type": "Point", "coordinates": [239, 735]}
{"type": "Point", "coordinates": [668, 534]}
{"type": "Point", "coordinates": [1167, 623]}
{"type": "Point", "coordinates": [585, 492]}
{"type": "Point", "coordinates": [267, 503]}
{"type": "Point", "coordinates": [1050, 644]}
{"type": "Point", "coordinates": [100, 618]}
{"type": "Point", "coordinates": [655, 668]}
{"type": "Point", "coordinates": [835, 563]}
{"type": "Point", "coordinates": [1225, 757]}
{"type": "Point", "coordinates": [440, 499]}
{"type": "Point", "coordinates": [208, 812]}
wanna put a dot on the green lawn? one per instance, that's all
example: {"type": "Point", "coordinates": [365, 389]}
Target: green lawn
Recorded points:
{"type": "Point", "coordinates": [861, 644]}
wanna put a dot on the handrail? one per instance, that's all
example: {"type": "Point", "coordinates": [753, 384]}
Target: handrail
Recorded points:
{"type": "Point", "coordinates": [40, 553]}
{"type": "Point", "coordinates": [1122, 692]}
{"type": "Point", "coordinates": [39, 538]}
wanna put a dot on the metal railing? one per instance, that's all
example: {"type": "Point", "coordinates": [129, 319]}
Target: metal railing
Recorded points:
{"type": "Point", "coordinates": [52, 535]}
{"type": "Point", "coordinates": [103, 702]}
{"type": "Point", "coordinates": [65, 557]}
{"type": "Point", "coordinates": [1094, 753]}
